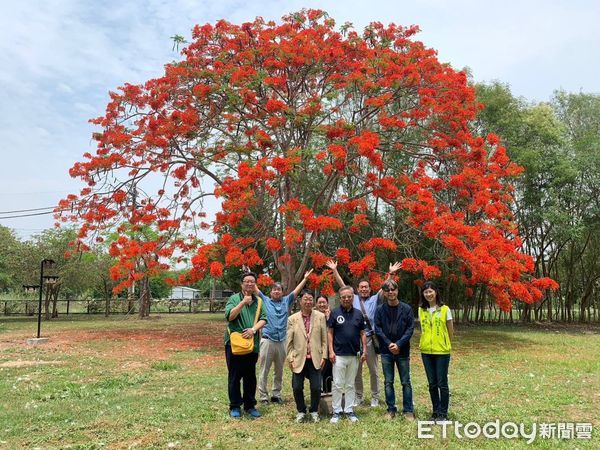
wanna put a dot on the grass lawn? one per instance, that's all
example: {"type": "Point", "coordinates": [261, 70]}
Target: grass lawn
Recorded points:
{"type": "Point", "coordinates": [162, 383]}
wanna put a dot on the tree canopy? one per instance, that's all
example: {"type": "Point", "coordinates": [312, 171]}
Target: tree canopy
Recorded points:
{"type": "Point", "coordinates": [319, 143]}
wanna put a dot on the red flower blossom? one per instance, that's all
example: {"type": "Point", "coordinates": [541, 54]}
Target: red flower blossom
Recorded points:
{"type": "Point", "coordinates": [216, 270]}
{"type": "Point", "coordinates": [273, 244]}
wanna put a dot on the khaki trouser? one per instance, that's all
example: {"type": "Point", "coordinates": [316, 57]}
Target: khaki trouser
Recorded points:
{"type": "Point", "coordinates": [373, 365]}
{"type": "Point", "coordinates": [270, 353]}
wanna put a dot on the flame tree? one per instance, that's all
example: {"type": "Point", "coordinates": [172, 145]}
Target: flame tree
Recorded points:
{"type": "Point", "coordinates": [318, 142]}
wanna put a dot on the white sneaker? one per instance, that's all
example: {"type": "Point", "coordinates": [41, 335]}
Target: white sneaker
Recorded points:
{"type": "Point", "coordinates": [358, 402]}
{"type": "Point", "coordinates": [335, 418]}
{"type": "Point", "coordinates": [374, 402]}
{"type": "Point", "coordinates": [300, 417]}
{"type": "Point", "coordinates": [315, 417]}
{"type": "Point", "coordinates": [352, 417]}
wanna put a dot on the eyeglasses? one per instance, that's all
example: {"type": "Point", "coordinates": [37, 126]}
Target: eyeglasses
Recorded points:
{"type": "Point", "coordinates": [389, 289]}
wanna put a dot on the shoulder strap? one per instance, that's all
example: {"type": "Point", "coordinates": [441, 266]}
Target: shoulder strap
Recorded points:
{"type": "Point", "coordinates": [362, 307]}
{"type": "Point", "coordinates": [257, 313]}
{"type": "Point", "coordinates": [258, 309]}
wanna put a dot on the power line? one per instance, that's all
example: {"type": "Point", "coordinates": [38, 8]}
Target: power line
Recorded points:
{"type": "Point", "coordinates": [27, 210]}
{"type": "Point", "coordinates": [31, 215]}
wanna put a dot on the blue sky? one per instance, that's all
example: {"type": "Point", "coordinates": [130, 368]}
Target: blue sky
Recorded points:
{"type": "Point", "coordinates": [59, 59]}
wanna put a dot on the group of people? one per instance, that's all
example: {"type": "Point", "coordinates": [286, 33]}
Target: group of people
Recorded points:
{"type": "Point", "coordinates": [329, 347]}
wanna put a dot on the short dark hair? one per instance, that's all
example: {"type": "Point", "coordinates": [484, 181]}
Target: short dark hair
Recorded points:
{"type": "Point", "coordinates": [389, 284]}
{"type": "Point", "coordinates": [438, 297]}
{"type": "Point", "coordinates": [306, 291]}
{"type": "Point", "coordinates": [277, 284]}
{"type": "Point", "coordinates": [322, 296]}
{"type": "Point", "coordinates": [247, 274]}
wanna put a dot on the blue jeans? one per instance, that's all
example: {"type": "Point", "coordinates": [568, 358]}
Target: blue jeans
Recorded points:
{"type": "Point", "coordinates": [436, 368]}
{"type": "Point", "coordinates": [388, 362]}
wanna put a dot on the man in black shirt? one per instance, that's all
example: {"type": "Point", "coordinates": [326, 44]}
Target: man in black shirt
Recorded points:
{"type": "Point", "coordinates": [346, 331]}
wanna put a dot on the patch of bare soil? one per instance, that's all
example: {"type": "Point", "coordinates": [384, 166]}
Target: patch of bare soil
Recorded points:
{"type": "Point", "coordinates": [20, 363]}
{"type": "Point", "coordinates": [145, 344]}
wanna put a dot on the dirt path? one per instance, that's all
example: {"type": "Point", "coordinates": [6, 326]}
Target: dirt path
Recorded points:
{"type": "Point", "coordinates": [154, 343]}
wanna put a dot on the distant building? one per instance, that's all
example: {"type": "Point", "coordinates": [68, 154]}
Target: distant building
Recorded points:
{"type": "Point", "coordinates": [185, 293]}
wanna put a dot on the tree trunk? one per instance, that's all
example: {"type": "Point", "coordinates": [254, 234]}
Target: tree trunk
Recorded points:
{"type": "Point", "coordinates": [54, 295]}
{"type": "Point", "coordinates": [586, 299]}
{"type": "Point", "coordinates": [145, 298]}
{"type": "Point", "coordinates": [106, 298]}
{"type": "Point", "coordinates": [131, 298]}
{"type": "Point", "coordinates": [47, 293]}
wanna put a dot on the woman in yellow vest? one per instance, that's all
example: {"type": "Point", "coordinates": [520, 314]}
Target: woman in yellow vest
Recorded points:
{"type": "Point", "coordinates": [437, 331]}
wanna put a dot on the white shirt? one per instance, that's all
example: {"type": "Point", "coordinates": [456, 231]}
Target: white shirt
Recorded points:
{"type": "Point", "coordinates": [433, 308]}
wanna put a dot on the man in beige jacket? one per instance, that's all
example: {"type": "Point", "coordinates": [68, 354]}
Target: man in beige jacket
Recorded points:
{"type": "Point", "coordinates": [306, 354]}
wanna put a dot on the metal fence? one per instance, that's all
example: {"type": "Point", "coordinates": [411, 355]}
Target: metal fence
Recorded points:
{"type": "Point", "coordinates": [20, 307]}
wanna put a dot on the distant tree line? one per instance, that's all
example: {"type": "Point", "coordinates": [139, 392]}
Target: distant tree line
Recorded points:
{"type": "Point", "coordinates": [557, 199]}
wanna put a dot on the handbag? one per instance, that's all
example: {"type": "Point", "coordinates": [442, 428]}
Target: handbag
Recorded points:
{"type": "Point", "coordinates": [239, 344]}
{"type": "Point", "coordinates": [374, 337]}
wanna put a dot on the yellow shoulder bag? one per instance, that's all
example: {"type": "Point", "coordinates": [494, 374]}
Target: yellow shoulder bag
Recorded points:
{"type": "Point", "coordinates": [239, 344]}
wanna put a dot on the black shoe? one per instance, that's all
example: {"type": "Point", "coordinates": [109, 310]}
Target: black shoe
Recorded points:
{"type": "Point", "coordinates": [277, 400]}
{"type": "Point", "coordinates": [441, 418]}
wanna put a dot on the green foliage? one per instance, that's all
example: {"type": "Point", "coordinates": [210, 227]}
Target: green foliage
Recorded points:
{"type": "Point", "coordinates": [557, 198]}
{"type": "Point", "coordinates": [165, 365]}
{"type": "Point", "coordinates": [11, 250]}
{"type": "Point", "coordinates": [159, 287]}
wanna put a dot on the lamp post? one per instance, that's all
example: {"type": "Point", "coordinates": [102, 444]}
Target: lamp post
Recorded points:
{"type": "Point", "coordinates": [46, 264]}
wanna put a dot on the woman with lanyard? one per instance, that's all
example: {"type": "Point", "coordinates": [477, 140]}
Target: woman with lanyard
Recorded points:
{"type": "Point", "coordinates": [327, 368]}
{"type": "Point", "coordinates": [437, 331]}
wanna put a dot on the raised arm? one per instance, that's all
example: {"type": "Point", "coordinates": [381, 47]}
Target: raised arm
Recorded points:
{"type": "Point", "coordinates": [235, 311]}
{"type": "Point", "coordinates": [302, 283]}
{"type": "Point", "coordinates": [257, 291]}
{"type": "Point", "coordinates": [395, 267]}
{"type": "Point", "coordinates": [333, 266]}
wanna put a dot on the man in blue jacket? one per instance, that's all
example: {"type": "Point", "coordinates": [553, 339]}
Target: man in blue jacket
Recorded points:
{"type": "Point", "coordinates": [394, 326]}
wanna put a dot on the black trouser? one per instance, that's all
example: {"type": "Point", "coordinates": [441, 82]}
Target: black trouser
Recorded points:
{"type": "Point", "coordinates": [242, 368]}
{"type": "Point", "coordinates": [314, 378]}
{"type": "Point", "coordinates": [326, 376]}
